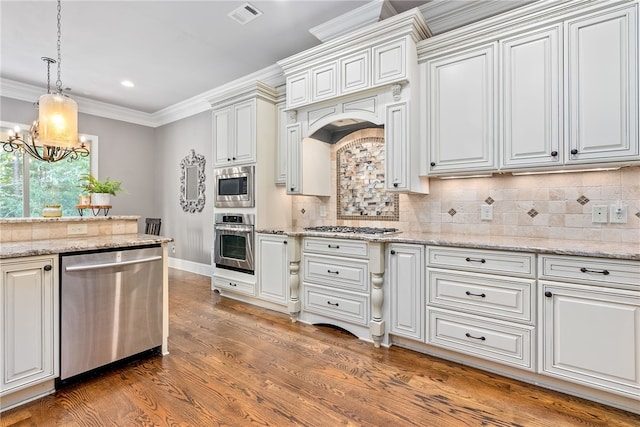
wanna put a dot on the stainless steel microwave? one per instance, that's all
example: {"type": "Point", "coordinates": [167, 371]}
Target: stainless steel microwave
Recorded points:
{"type": "Point", "coordinates": [234, 187]}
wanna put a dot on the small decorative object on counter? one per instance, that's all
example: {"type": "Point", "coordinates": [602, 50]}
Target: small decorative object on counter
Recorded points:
{"type": "Point", "coordinates": [52, 211]}
{"type": "Point", "coordinates": [84, 200]}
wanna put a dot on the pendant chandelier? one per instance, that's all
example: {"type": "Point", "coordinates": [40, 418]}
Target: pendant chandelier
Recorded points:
{"type": "Point", "coordinates": [54, 136]}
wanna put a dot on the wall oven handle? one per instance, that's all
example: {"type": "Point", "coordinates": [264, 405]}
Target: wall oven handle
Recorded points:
{"type": "Point", "coordinates": [235, 228]}
{"type": "Point", "coordinates": [111, 264]}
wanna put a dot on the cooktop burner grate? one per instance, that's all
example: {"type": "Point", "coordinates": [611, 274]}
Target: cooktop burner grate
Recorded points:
{"type": "Point", "coordinates": [353, 230]}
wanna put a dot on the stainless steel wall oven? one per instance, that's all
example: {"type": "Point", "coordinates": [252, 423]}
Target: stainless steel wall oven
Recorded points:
{"type": "Point", "coordinates": [234, 187]}
{"type": "Point", "coordinates": [234, 241]}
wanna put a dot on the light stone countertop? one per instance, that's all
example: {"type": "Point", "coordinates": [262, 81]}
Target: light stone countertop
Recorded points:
{"type": "Point", "coordinates": [626, 251]}
{"type": "Point", "coordinates": [77, 244]}
{"type": "Point", "coordinates": [86, 218]}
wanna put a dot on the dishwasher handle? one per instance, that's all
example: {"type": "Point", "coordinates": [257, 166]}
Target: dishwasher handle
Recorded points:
{"type": "Point", "coordinates": [111, 264]}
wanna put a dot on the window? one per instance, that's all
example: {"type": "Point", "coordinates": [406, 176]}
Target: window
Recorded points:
{"type": "Point", "coordinates": [27, 184]}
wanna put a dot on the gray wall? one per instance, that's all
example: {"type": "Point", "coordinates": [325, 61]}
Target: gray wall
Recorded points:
{"type": "Point", "coordinates": [193, 232]}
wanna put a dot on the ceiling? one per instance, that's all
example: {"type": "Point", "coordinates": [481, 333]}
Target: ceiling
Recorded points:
{"type": "Point", "coordinates": [175, 50]}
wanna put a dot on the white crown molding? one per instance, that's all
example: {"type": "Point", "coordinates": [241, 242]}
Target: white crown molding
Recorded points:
{"type": "Point", "coordinates": [271, 76]}
{"type": "Point", "coordinates": [31, 93]}
{"type": "Point", "coordinates": [410, 23]}
{"type": "Point", "coordinates": [540, 12]}
{"type": "Point", "coordinates": [443, 16]}
{"type": "Point", "coordinates": [368, 14]}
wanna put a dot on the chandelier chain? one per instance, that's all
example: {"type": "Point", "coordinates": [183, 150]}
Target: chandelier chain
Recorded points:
{"type": "Point", "coordinates": [59, 81]}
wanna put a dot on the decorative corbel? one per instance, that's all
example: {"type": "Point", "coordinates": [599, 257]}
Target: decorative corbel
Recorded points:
{"type": "Point", "coordinates": [395, 91]}
{"type": "Point", "coordinates": [292, 116]}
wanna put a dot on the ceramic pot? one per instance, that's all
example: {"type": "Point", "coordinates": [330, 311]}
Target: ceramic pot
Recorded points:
{"type": "Point", "coordinates": [100, 199]}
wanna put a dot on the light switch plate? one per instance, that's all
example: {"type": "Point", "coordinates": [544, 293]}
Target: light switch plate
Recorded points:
{"type": "Point", "coordinates": [76, 229]}
{"type": "Point", "coordinates": [486, 213]}
{"type": "Point", "coordinates": [599, 214]}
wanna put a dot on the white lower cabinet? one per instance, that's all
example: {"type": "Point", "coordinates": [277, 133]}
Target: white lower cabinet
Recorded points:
{"type": "Point", "coordinates": [590, 330]}
{"type": "Point", "coordinates": [272, 267]}
{"type": "Point", "coordinates": [235, 285]}
{"type": "Point", "coordinates": [29, 300]}
{"type": "Point", "coordinates": [405, 274]}
{"type": "Point", "coordinates": [489, 316]}
{"type": "Point", "coordinates": [342, 282]}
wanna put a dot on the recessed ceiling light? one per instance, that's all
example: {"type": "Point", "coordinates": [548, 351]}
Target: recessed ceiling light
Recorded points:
{"type": "Point", "coordinates": [127, 83]}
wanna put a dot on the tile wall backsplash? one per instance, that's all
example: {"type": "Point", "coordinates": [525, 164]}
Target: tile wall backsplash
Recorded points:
{"type": "Point", "coordinates": [360, 180]}
{"type": "Point", "coordinates": [544, 206]}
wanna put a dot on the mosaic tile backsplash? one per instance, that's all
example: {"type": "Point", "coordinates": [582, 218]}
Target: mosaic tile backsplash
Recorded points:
{"type": "Point", "coordinates": [360, 181]}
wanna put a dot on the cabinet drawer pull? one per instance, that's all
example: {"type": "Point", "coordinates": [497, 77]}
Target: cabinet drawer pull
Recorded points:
{"type": "Point", "coordinates": [333, 272]}
{"type": "Point", "coordinates": [335, 304]}
{"type": "Point", "coordinates": [468, 335]}
{"type": "Point", "coordinates": [334, 246]}
{"type": "Point", "coordinates": [475, 295]}
{"type": "Point", "coordinates": [586, 270]}
{"type": "Point", "coordinates": [481, 260]}
{"type": "Point", "coordinates": [232, 284]}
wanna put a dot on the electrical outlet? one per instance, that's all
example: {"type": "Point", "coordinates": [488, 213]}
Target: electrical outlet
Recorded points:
{"type": "Point", "coordinates": [323, 210]}
{"type": "Point", "coordinates": [486, 213]}
{"type": "Point", "coordinates": [173, 249]}
{"type": "Point", "coordinates": [618, 214]}
{"type": "Point", "coordinates": [76, 229]}
{"type": "Point", "coordinates": [599, 214]}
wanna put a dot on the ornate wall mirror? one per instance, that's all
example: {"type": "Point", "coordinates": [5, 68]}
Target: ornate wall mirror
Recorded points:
{"type": "Point", "coordinates": [192, 180]}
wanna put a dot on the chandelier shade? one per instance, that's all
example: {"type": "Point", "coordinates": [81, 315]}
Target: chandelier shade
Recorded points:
{"type": "Point", "coordinates": [57, 121]}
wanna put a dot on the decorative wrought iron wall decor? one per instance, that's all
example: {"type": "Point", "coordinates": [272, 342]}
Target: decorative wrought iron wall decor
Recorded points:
{"type": "Point", "coordinates": [192, 181]}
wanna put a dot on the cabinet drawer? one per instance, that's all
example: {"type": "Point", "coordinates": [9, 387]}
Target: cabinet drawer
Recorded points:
{"type": "Point", "coordinates": [615, 273]}
{"type": "Point", "coordinates": [342, 305]}
{"type": "Point", "coordinates": [486, 261]}
{"type": "Point", "coordinates": [234, 285]}
{"type": "Point", "coordinates": [482, 294]}
{"type": "Point", "coordinates": [336, 272]}
{"type": "Point", "coordinates": [356, 248]}
{"type": "Point", "coordinates": [494, 340]}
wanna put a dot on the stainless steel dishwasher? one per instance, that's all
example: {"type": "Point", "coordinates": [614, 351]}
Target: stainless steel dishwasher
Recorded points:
{"type": "Point", "coordinates": [110, 307]}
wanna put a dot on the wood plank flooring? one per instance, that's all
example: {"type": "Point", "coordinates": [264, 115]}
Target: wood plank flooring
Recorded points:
{"type": "Point", "coordinates": [232, 364]}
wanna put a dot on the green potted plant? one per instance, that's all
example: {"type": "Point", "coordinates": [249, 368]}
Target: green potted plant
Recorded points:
{"type": "Point", "coordinates": [100, 191]}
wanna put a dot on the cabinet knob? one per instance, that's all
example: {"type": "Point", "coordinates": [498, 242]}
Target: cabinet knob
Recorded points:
{"type": "Point", "coordinates": [228, 159]}
{"type": "Point", "coordinates": [285, 242]}
{"type": "Point", "coordinates": [395, 184]}
{"type": "Point", "coordinates": [548, 294]}
{"type": "Point", "coordinates": [233, 158]}
{"type": "Point", "coordinates": [293, 188]}
{"type": "Point", "coordinates": [48, 267]}
{"type": "Point", "coordinates": [554, 153]}
{"type": "Point", "coordinates": [392, 252]}
{"type": "Point", "coordinates": [433, 164]}
{"type": "Point", "coordinates": [574, 151]}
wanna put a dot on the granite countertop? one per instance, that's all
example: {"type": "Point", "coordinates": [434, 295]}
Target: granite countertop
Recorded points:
{"type": "Point", "coordinates": [36, 219]}
{"type": "Point", "coordinates": [77, 244]}
{"type": "Point", "coordinates": [627, 251]}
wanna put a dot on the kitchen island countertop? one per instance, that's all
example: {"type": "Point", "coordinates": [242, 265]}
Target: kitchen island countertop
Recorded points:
{"type": "Point", "coordinates": [77, 244]}
{"type": "Point", "coordinates": [614, 250]}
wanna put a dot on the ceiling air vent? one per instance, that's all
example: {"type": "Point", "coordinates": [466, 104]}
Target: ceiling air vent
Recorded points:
{"type": "Point", "coordinates": [245, 13]}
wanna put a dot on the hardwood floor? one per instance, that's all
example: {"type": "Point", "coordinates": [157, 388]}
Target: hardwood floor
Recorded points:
{"type": "Point", "coordinates": [232, 364]}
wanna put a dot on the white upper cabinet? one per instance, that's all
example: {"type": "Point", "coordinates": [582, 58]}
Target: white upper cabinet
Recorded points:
{"type": "Point", "coordinates": [324, 82]}
{"type": "Point", "coordinates": [531, 88]}
{"type": "Point", "coordinates": [234, 134]}
{"type": "Point", "coordinates": [461, 110]}
{"type": "Point", "coordinates": [281, 146]}
{"type": "Point", "coordinates": [389, 62]}
{"type": "Point", "coordinates": [298, 90]}
{"type": "Point", "coordinates": [602, 86]}
{"type": "Point", "coordinates": [535, 89]}
{"type": "Point", "coordinates": [354, 72]}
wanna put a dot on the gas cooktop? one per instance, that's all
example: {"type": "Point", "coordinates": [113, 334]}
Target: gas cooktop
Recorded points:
{"type": "Point", "coordinates": [352, 230]}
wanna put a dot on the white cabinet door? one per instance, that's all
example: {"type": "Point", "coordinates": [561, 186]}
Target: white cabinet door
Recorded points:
{"type": "Point", "coordinates": [389, 62]}
{"type": "Point", "coordinates": [397, 147]}
{"type": "Point", "coordinates": [244, 132]}
{"type": "Point", "coordinates": [354, 72]}
{"type": "Point", "coordinates": [324, 82]}
{"type": "Point", "coordinates": [531, 87]}
{"type": "Point", "coordinates": [281, 146]}
{"type": "Point", "coordinates": [461, 111]}
{"type": "Point", "coordinates": [273, 272]}
{"type": "Point", "coordinates": [591, 335]}
{"type": "Point", "coordinates": [298, 89]}
{"type": "Point", "coordinates": [222, 136]}
{"type": "Point", "coordinates": [602, 88]}
{"type": "Point", "coordinates": [28, 322]}
{"type": "Point", "coordinates": [406, 284]}
{"type": "Point", "coordinates": [294, 184]}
